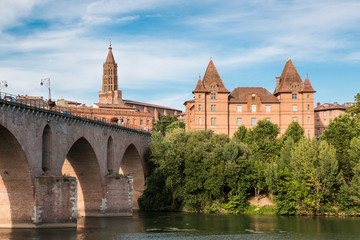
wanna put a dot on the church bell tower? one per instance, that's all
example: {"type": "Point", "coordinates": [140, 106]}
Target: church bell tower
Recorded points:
{"type": "Point", "coordinates": [110, 93]}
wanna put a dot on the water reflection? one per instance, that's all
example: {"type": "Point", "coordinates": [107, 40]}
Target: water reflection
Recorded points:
{"type": "Point", "coordinates": [196, 226]}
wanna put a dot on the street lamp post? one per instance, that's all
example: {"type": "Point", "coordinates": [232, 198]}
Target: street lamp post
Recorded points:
{"type": "Point", "coordinates": [3, 84]}
{"type": "Point", "coordinates": [46, 82]}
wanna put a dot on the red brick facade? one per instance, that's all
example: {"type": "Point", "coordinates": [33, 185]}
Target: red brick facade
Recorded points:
{"type": "Point", "coordinates": [215, 108]}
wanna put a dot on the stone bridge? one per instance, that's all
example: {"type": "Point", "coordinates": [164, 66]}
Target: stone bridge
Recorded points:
{"type": "Point", "coordinates": [55, 167]}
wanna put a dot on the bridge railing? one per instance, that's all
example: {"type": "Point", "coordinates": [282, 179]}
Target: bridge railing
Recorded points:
{"type": "Point", "coordinates": [40, 103]}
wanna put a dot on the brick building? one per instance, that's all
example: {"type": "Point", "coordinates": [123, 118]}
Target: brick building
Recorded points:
{"type": "Point", "coordinates": [215, 107]}
{"type": "Point", "coordinates": [111, 105]}
{"type": "Point", "coordinates": [325, 113]}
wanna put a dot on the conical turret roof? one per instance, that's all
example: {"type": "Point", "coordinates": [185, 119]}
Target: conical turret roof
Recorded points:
{"type": "Point", "coordinates": [307, 86]}
{"type": "Point", "coordinates": [288, 76]}
{"type": "Point", "coordinates": [199, 87]}
{"type": "Point", "coordinates": [212, 76]}
{"type": "Point", "coordinates": [110, 58]}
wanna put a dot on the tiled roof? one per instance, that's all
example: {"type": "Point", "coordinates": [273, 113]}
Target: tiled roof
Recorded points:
{"type": "Point", "coordinates": [289, 76]}
{"type": "Point", "coordinates": [307, 86]}
{"type": "Point", "coordinates": [330, 106]}
{"type": "Point", "coordinates": [110, 57]}
{"type": "Point", "coordinates": [241, 94]}
{"type": "Point", "coordinates": [199, 87]}
{"type": "Point", "coordinates": [149, 105]}
{"type": "Point", "coordinates": [115, 106]}
{"type": "Point", "coordinates": [212, 76]}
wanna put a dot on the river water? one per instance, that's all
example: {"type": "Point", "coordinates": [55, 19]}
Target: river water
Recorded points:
{"type": "Point", "coordinates": [192, 226]}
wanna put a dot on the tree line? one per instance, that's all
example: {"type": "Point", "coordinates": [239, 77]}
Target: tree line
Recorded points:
{"type": "Point", "coordinates": [201, 171]}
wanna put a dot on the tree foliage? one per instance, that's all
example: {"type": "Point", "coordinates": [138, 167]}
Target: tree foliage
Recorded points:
{"type": "Point", "coordinates": [202, 171]}
{"type": "Point", "coordinates": [165, 123]}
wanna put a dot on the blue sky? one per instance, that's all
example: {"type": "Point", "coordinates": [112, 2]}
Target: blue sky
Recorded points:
{"type": "Point", "coordinates": [161, 46]}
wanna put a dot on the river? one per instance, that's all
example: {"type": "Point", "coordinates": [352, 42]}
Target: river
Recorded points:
{"type": "Point", "coordinates": [197, 227]}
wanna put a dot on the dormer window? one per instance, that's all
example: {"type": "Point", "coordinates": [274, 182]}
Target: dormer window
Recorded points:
{"type": "Point", "coordinates": [213, 86]}
{"type": "Point", "coordinates": [253, 96]}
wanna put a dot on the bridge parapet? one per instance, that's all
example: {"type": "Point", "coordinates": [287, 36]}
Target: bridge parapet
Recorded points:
{"type": "Point", "coordinates": [56, 112]}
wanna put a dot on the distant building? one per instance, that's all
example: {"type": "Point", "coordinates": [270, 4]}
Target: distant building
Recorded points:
{"type": "Point", "coordinates": [215, 108]}
{"type": "Point", "coordinates": [111, 105]}
{"type": "Point", "coordinates": [32, 100]}
{"type": "Point", "coordinates": [66, 103]}
{"type": "Point", "coordinates": [325, 113]}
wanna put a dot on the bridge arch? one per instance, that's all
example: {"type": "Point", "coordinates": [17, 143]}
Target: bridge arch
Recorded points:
{"type": "Point", "coordinates": [81, 162]}
{"type": "Point", "coordinates": [16, 187]}
{"type": "Point", "coordinates": [132, 165]}
{"type": "Point", "coordinates": [46, 163]}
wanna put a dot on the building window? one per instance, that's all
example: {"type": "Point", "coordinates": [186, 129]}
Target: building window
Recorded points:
{"type": "Point", "coordinates": [324, 114]}
{"type": "Point", "coordinates": [104, 119]}
{"type": "Point", "coordinates": [267, 108]}
{"type": "Point", "coordinates": [308, 133]}
{"type": "Point", "coordinates": [239, 108]}
{"type": "Point", "coordinates": [330, 113]}
{"type": "Point", "coordinates": [325, 122]}
{"type": "Point", "coordinates": [317, 114]}
{"type": "Point", "coordinates": [199, 107]}
{"type": "Point", "coordinates": [294, 119]}
{"type": "Point", "coordinates": [128, 122]}
{"type": "Point", "coordinates": [308, 106]}
{"type": "Point", "coordinates": [253, 121]}
{"type": "Point", "coordinates": [213, 87]}
{"type": "Point", "coordinates": [253, 107]}
{"type": "Point", "coordinates": [199, 121]}
{"type": "Point", "coordinates": [213, 108]}
{"type": "Point", "coordinates": [199, 96]}
{"type": "Point", "coordinates": [147, 122]}
{"type": "Point", "coordinates": [308, 96]}
{"type": "Point", "coordinates": [294, 108]}
{"type": "Point", "coordinates": [213, 96]}
{"type": "Point", "coordinates": [308, 120]}
{"type": "Point", "coordinates": [213, 121]}
{"type": "Point", "coordinates": [253, 96]}
{"type": "Point", "coordinates": [268, 119]}
{"type": "Point", "coordinates": [239, 121]}
{"type": "Point", "coordinates": [294, 96]}
{"type": "Point", "coordinates": [318, 123]}
{"type": "Point", "coordinates": [141, 122]}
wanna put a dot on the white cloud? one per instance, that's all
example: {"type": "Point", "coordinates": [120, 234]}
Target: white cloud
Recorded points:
{"type": "Point", "coordinates": [12, 10]}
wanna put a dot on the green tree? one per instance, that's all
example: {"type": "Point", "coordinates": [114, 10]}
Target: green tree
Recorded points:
{"type": "Point", "coordinates": [264, 146]}
{"type": "Point", "coordinates": [339, 133]}
{"type": "Point", "coordinates": [295, 131]}
{"type": "Point", "coordinates": [263, 140]}
{"type": "Point", "coordinates": [240, 134]}
{"type": "Point", "coordinates": [168, 166]}
{"type": "Point", "coordinates": [354, 110]}
{"type": "Point", "coordinates": [175, 125]}
{"type": "Point", "coordinates": [314, 177]}
{"type": "Point", "coordinates": [164, 122]}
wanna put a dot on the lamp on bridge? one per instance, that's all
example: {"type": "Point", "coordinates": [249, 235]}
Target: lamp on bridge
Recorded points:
{"type": "Point", "coordinates": [3, 84]}
{"type": "Point", "coordinates": [46, 82]}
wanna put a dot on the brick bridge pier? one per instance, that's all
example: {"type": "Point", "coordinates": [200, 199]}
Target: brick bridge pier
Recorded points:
{"type": "Point", "coordinates": [55, 167]}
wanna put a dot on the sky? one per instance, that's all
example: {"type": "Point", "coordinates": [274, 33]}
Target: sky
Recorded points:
{"type": "Point", "coordinates": [162, 46]}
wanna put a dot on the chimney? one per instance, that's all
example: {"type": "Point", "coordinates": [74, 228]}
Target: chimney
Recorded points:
{"type": "Point", "coordinates": [277, 82]}
{"type": "Point", "coordinates": [318, 104]}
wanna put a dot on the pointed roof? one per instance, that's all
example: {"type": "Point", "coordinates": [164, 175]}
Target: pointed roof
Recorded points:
{"type": "Point", "coordinates": [307, 86]}
{"type": "Point", "coordinates": [110, 58]}
{"type": "Point", "coordinates": [211, 76]}
{"type": "Point", "coordinates": [199, 87]}
{"type": "Point", "coordinates": [288, 76]}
